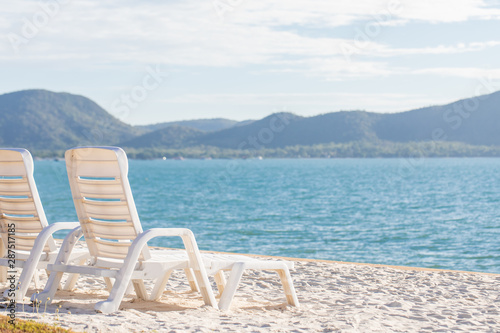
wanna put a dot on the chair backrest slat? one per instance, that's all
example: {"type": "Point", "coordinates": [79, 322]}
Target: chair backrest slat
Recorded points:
{"type": "Point", "coordinates": [98, 178]}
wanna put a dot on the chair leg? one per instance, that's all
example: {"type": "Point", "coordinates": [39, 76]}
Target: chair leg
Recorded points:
{"type": "Point", "coordinates": [199, 270]}
{"type": "Point", "coordinates": [140, 289]}
{"type": "Point", "coordinates": [36, 279]}
{"type": "Point", "coordinates": [109, 283]}
{"type": "Point", "coordinates": [160, 286]}
{"type": "Point", "coordinates": [3, 270]}
{"type": "Point", "coordinates": [3, 274]}
{"type": "Point", "coordinates": [130, 289]}
{"type": "Point", "coordinates": [55, 277]}
{"type": "Point", "coordinates": [72, 278]}
{"type": "Point", "coordinates": [231, 286]}
{"type": "Point", "coordinates": [220, 280]}
{"type": "Point", "coordinates": [192, 281]}
{"type": "Point", "coordinates": [286, 281]}
{"type": "Point", "coordinates": [122, 281]}
{"type": "Point", "coordinates": [28, 274]}
{"type": "Point", "coordinates": [115, 297]}
{"type": "Point", "coordinates": [47, 295]}
{"type": "Point", "coordinates": [71, 282]}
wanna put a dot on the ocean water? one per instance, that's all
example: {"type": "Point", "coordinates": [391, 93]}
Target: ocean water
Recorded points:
{"type": "Point", "coordinates": [436, 213]}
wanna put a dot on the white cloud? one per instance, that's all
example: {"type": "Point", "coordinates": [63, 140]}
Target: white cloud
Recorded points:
{"type": "Point", "coordinates": [190, 33]}
{"type": "Point", "coordinates": [464, 72]}
{"type": "Point", "coordinates": [448, 10]}
{"type": "Point", "coordinates": [346, 12]}
{"type": "Point", "coordinates": [380, 50]}
{"type": "Point", "coordinates": [336, 68]}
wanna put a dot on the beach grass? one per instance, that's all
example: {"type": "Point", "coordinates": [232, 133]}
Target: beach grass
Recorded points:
{"type": "Point", "coordinates": [22, 326]}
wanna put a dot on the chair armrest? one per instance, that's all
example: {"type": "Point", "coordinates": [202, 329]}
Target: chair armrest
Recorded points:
{"type": "Point", "coordinates": [48, 231]}
{"type": "Point", "coordinates": [194, 257]}
{"type": "Point", "coordinates": [186, 235]}
{"type": "Point", "coordinates": [69, 242]}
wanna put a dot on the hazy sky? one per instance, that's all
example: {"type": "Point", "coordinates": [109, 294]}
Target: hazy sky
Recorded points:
{"type": "Point", "coordinates": [162, 60]}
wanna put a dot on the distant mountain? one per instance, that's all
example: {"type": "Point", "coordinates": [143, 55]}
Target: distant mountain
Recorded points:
{"type": "Point", "coordinates": [44, 120]}
{"type": "Point", "coordinates": [473, 121]}
{"type": "Point", "coordinates": [286, 129]}
{"type": "Point", "coordinates": [246, 136]}
{"type": "Point", "coordinates": [206, 125]}
{"type": "Point", "coordinates": [173, 136]}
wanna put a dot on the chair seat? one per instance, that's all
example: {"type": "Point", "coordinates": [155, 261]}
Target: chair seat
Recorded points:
{"type": "Point", "coordinates": [152, 268]}
{"type": "Point", "coordinates": [164, 260]}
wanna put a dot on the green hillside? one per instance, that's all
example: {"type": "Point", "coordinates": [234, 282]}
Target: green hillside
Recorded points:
{"type": "Point", "coordinates": [285, 129]}
{"type": "Point", "coordinates": [40, 119]}
{"type": "Point", "coordinates": [252, 135]}
{"type": "Point", "coordinates": [206, 125]}
{"type": "Point", "coordinates": [173, 136]}
{"type": "Point", "coordinates": [474, 121]}
{"type": "Point", "coordinates": [43, 120]}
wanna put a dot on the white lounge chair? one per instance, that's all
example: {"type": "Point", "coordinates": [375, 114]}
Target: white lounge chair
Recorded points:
{"type": "Point", "coordinates": [112, 230]}
{"type": "Point", "coordinates": [113, 233]}
{"type": "Point", "coordinates": [26, 237]}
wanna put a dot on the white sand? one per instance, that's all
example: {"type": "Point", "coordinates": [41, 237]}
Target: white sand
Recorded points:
{"type": "Point", "coordinates": [335, 297]}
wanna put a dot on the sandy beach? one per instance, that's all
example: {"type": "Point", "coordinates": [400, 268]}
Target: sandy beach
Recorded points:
{"type": "Point", "coordinates": [335, 297]}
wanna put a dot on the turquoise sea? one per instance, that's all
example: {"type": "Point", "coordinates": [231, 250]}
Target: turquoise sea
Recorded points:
{"type": "Point", "coordinates": [437, 213]}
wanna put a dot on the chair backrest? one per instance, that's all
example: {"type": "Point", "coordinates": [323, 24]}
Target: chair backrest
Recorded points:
{"type": "Point", "coordinates": [98, 177]}
{"type": "Point", "coordinates": [21, 210]}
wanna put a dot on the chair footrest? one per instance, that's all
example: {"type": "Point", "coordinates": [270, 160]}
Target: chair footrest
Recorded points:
{"type": "Point", "coordinates": [226, 262]}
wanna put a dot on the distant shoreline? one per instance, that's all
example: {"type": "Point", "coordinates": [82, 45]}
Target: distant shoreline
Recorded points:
{"type": "Point", "coordinates": [356, 149]}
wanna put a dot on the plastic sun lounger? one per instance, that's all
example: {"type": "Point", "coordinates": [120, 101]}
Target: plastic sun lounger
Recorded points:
{"type": "Point", "coordinates": [118, 246]}
{"type": "Point", "coordinates": [113, 233]}
{"type": "Point", "coordinates": [26, 237]}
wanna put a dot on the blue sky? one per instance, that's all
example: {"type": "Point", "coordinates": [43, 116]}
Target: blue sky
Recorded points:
{"type": "Point", "coordinates": [153, 61]}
